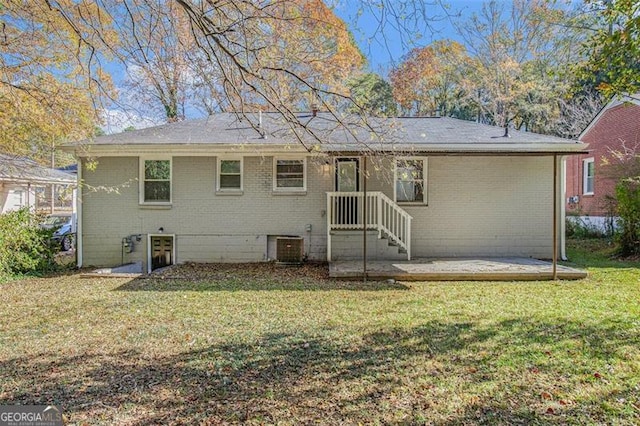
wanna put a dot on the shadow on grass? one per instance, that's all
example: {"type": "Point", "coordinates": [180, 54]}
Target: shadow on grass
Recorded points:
{"type": "Point", "coordinates": [429, 374]}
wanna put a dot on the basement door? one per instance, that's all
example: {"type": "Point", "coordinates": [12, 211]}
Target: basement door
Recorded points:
{"type": "Point", "coordinates": [161, 252]}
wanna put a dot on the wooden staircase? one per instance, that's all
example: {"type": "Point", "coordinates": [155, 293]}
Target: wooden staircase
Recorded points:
{"type": "Point", "coordinates": [349, 211]}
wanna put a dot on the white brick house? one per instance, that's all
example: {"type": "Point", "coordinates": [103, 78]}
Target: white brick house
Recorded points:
{"type": "Point", "coordinates": [224, 190]}
{"type": "Point", "coordinates": [20, 177]}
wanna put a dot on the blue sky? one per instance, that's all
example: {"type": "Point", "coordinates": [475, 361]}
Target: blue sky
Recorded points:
{"type": "Point", "coordinates": [383, 50]}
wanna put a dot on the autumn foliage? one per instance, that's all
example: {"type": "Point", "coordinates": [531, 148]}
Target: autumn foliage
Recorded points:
{"type": "Point", "coordinates": [48, 77]}
{"type": "Point", "coordinates": [429, 78]}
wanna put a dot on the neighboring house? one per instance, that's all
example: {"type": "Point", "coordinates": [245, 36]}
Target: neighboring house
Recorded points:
{"type": "Point", "coordinates": [227, 190]}
{"type": "Point", "coordinates": [590, 185]}
{"type": "Point", "coordinates": [71, 169]}
{"type": "Point", "coordinates": [22, 178]}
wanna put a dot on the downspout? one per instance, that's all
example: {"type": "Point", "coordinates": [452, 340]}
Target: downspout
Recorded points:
{"type": "Point", "coordinates": [563, 209]}
{"type": "Point", "coordinates": [555, 217]}
{"type": "Point", "coordinates": [53, 185]}
{"type": "Point", "coordinates": [79, 184]}
{"type": "Point", "coordinates": [364, 219]}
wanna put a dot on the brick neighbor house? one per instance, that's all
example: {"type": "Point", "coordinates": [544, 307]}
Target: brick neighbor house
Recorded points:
{"type": "Point", "coordinates": [589, 185]}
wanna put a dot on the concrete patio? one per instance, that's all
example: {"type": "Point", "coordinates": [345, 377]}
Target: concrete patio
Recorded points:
{"type": "Point", "coordinates": [456, 269]}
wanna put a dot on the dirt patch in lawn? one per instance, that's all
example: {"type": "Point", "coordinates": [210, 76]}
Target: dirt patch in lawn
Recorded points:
{"type": "Point", "coordinates": [249, 277]}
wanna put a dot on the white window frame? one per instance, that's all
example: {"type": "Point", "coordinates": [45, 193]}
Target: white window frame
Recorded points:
{"type": "Point", "coordinates": [585, 176]}
{"type": "Point", "coordinates": [275, 175]}
{"type": "Point", "coordinates": [219, 171]}
{"type": "Point", "coordinates": [141, 180]}
{"type": "Point", "coordinates": [425, 181]}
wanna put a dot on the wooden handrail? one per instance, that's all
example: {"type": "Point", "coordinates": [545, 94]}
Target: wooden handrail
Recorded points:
{"type": "Point", "coordinates": [345, 211]}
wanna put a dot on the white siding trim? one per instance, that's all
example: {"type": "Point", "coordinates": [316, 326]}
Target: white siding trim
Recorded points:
{"type": "Point", "coordinates": [219, 169]}
{"type": "Point", "coordinates": [79, 245]}
{"type": "Point", "coordinates": [585, 169]}
{"type": "Point", "coordinates": [425, 181]}
{"type": "Point", "coordinates": [304, 174]}
{"type": "Point", "coordinates": [141, 161]}
{"type": "Point", "coordinates": [563, 208]}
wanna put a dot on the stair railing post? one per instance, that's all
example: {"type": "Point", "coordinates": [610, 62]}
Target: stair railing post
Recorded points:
{"type": "Point", "coordinates": [409, 238]}
{"type": "Point", "coordinates": [379, 214]}
{"type": "Point", "coordinates": [329, 221]}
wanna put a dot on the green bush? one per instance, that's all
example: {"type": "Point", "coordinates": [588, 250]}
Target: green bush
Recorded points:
{"type": "Point", "coordinates": [628, 196]}
{"type": "Point", "coordinates": [577, 228]}
{"type": "Point", "coordinates": [25, 248]}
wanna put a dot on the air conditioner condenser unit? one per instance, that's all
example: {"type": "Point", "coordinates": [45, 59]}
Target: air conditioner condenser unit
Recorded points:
{"type": "Point", "coordinates": [290, 250]}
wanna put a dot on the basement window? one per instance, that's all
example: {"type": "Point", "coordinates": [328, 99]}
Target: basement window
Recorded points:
{"type": "Point", "coordinates": [410, 180]}
{"type": "Point", "coordinates": [155, 181]}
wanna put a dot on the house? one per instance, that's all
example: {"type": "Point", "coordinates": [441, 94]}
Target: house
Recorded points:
{"type": "Point", "coordinates": [21, 179]}
{"type": "Point", "coordinates": [253, 188]}
{"type": "Point", "coordinates": [590, 186]}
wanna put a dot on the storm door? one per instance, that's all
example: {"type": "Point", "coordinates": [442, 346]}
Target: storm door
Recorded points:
{"type": "Point", "coordinates": [347, 181]}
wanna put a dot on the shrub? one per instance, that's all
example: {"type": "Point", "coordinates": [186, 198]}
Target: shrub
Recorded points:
{"type": "Point", "coordinates": [578, 228]}
{"type": "Point", "coordinates": [24, 247]}
{"type": "Point", "coordinates": [628, 196]}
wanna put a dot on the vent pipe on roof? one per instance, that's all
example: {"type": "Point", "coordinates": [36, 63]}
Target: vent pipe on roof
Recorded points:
{"type": "Point", "coordinates": [263, 135]}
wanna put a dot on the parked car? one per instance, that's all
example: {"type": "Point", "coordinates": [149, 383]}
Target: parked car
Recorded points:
{"type": "Point", "coordinates": [64, 234]}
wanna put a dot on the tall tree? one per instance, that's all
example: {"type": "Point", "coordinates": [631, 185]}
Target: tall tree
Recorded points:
{"type": "Point", "coordinates": [277, 56]}
{"type": "Point", "coordinates": [309, 39]}
{"type": "Point", "coordinates": [221, 55]}
{"type": "Point", "coordinates": [612, 49]}
{"type": "Point", "coordinates": [50, 74]}
{"type": "Point", "coordinates": [154, 40]}
{"type": "Point", "coordinates": [517, 52]}
{"type": "Point", "coordinates": [371, 94]}
{"type": "Point", "coordinates": [429, 78]}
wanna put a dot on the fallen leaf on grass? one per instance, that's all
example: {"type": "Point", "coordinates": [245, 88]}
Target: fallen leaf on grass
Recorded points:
{"type": "Point", "coordinates": [546, 395]}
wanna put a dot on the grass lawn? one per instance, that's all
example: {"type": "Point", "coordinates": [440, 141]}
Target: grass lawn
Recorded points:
{"type": "Point", "coordinates": [262, 345]}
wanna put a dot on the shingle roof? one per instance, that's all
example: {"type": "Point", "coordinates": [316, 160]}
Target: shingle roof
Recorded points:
{"type": "Point", "coordinates": [23, 170]}
{"type": "Point", "coordinates": [616, 101]}
{"type": "Point", "coordinates": [326, 133]}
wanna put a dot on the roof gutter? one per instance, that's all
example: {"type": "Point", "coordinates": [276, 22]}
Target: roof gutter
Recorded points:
{"type": "Point", "coordinates": [26, 181]}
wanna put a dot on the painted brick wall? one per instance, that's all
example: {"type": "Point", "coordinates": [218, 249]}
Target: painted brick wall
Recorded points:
{"type": "Point", "coordinates": [616, 125]}
{"type": "Point", "coordinates": [484, 206]}
{"type": "Point", "coordinates": [490, 206]}
{"type": "Point", "coordinates": [208, 226]}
